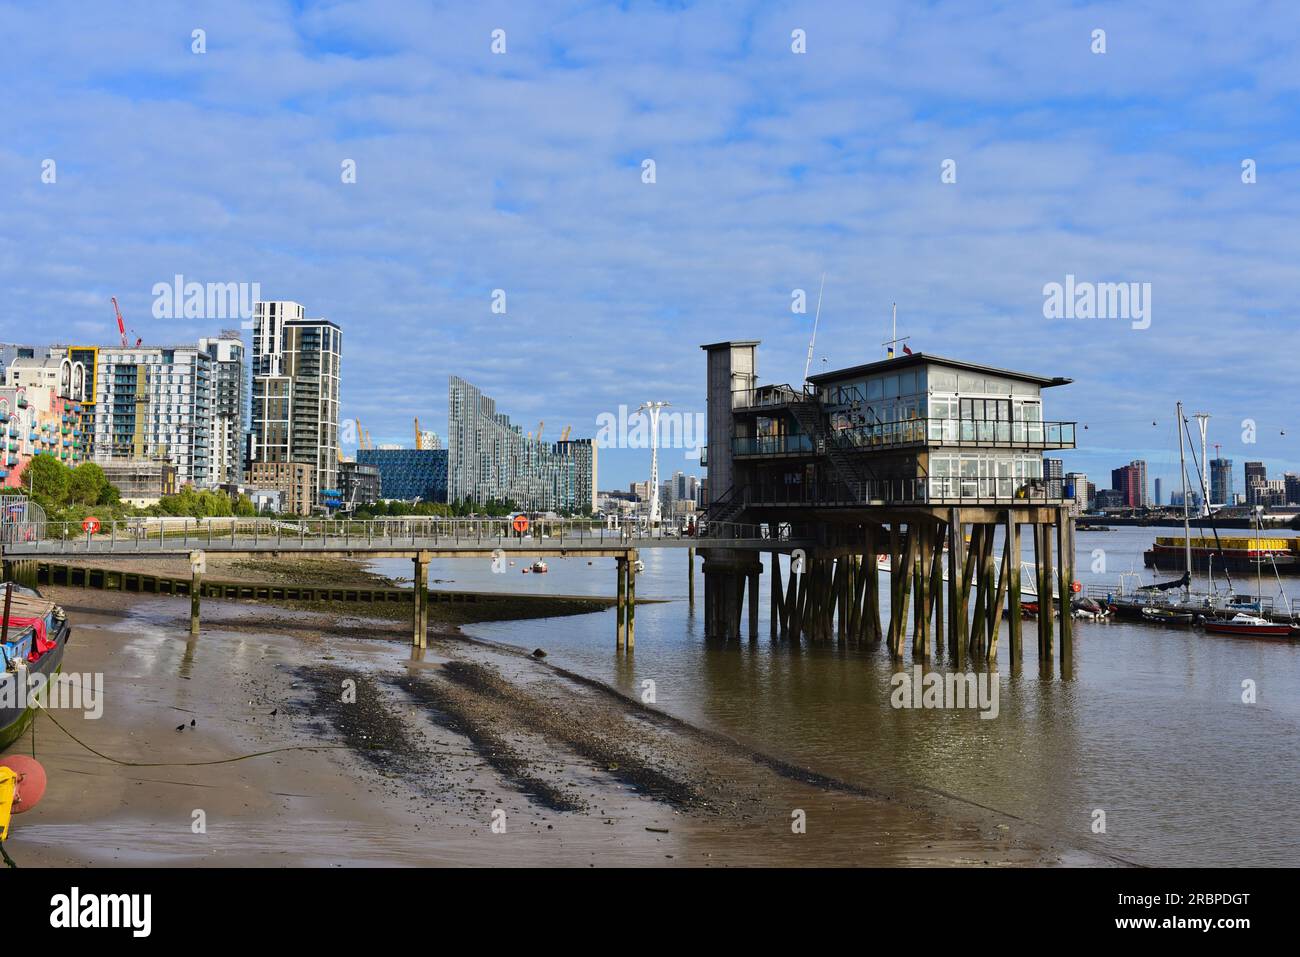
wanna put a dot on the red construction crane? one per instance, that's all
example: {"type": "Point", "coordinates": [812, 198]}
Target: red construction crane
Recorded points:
{"type": "Point", "coordinates": [121, 326]}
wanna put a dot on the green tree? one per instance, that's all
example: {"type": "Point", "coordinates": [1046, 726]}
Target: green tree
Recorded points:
{"type": "Point", "coordinates": [87, 485]}
{"type": "Point", "coordinates": [49, 481]}
{"type": "Point", "coordinates": [244, 507]}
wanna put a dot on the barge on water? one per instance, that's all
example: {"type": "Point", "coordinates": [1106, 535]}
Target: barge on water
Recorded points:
{"type": "Point", "coordinates": [1233, 554]}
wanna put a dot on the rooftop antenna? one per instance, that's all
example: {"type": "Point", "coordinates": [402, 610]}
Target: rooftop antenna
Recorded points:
{"type": "Point", "coordinates": [811, 342]}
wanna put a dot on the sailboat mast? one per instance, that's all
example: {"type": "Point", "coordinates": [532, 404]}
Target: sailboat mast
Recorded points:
{"type": "Point", "coordinates": [1182, 467]}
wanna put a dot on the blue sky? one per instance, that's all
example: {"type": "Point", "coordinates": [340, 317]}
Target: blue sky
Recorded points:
{"type": "Point", "coordinates": [522, 172]}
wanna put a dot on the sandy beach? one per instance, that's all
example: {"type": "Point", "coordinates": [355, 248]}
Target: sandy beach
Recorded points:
{"type": "Point", "coordinates": [467, 753]}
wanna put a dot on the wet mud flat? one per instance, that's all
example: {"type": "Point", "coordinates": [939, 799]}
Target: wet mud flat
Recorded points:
{"type": "Point", "coordinates": [467, 753]}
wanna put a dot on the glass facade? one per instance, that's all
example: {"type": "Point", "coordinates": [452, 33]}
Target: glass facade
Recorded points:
{"type": "Point", "coordinates": [409, 474]}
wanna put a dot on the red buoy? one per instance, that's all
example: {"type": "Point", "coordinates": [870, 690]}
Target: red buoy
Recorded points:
{"type": "Point", "coordinates": [31, 781]}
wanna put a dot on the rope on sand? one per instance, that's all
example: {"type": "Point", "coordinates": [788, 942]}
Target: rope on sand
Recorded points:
{"type": "Point", "coordinates": [190, 764]}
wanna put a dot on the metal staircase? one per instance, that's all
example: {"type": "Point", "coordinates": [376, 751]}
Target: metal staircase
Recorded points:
{"type": "Point", "coordinates": [851, 469]}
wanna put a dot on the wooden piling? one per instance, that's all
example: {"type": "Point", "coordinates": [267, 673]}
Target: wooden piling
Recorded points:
{"type": "Point", "coordinates": [775, 611]}
{"type": "Point", "coordinates": [1045, 603]}
{"type": "Point", "coordinates": [956, 545]}
{"type": "Point", "coordinates": [1015, 619]}
{"type": "Point", "coordinates": [872, 588]}
{"type": "Point", "coordinates": [921, 630]}
{"type": "Point", "coordinates": [196, 592]}
{"type": "Point", "coordinates": [620, 627]}
{"type": "Point", "coordinates": [690, 576]}
{"type": "Point", "coordinates": [631, 600]}
{"type": "Point", "coordinates": [754, 578]}
{"type": "Point", "coordinates": [1065, 562]}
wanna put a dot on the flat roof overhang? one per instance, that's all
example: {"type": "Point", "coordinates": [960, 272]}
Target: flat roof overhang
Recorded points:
{"type": "Point", "coordinates": [922, 358]}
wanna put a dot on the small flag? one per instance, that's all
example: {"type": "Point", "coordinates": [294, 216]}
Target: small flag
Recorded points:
{"type": "Point", "coordinates": [907, 350]}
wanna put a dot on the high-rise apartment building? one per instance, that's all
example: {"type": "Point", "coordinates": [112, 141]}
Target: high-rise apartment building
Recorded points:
{"type": "Point", "coordinates": [155, 403]}
{"type": "Point", "coordinates": [228, 403]}
{"type": "Point", "coordinates": [489, 458]}
{"type": "Point", "coordinates": [1221, 492]}
{"type": "Point", "coordinates": [295, 394]}
{"type": "Point", "coordinates": [1131, 481]}
{"type": "Point", "coordinates": [1256, 475]}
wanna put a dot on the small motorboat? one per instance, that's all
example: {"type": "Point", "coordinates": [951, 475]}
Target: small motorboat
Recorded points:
{"type": "Point", "coordinates": [1167, 616]}
{"type": "Point", "coordinates": [539, 567]}
{"type": "Point", "coordinates": [1247, 626]}
{"type": "Point", "coordinates": [31, 655]}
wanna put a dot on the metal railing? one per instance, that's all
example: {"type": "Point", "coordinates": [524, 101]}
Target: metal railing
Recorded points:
{"type": "Point", "coordinates": [932, 490]}
{"type": "Point", "coordinates": [764, 396]}
{"type": "Point", "coordinates": [792, 444]}
{"type": "Point", "coordinates": [384, 534]}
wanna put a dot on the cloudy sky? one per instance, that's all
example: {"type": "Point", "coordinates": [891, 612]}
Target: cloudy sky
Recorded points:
{"type": "Point", "coordinates": [523, 171]}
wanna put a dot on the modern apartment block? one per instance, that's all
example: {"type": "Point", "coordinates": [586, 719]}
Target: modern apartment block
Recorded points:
{"type": "Point", "coordinates": [293, 480]}
{"type": "Point", "coordinates": [40, 403]}
{"type": "Point", "coordinates": [295, 394]}
{"type": "Point", "coordinates": [1221, 492]}
{"type": "Point", "coordinates": [1256, 474]}
{"type": "Point", "coordinates": [155, 403]}
{"type": "Point", "coordinates": [488, 458]}
{"type": "Point", "coordinates": [228, 404]}
{"type": "Point", "coordinates": [408, 475]}
{"type": "Point", "coordinates": [1131, 480]}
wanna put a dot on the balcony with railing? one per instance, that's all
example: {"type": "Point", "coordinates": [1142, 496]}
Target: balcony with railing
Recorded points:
{"type": "Point", "coordinates": [772, 445]}
{"type": "Point", "coordinates": [956, 433]}
{"type": "Point", "coordinates": [925, 490]}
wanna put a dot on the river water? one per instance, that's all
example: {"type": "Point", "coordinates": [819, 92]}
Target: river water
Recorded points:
{"type": "Point", "coordinates": [1149, 728]}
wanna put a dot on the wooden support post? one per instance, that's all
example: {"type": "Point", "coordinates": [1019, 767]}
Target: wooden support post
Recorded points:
{"type": "Point", "coordinates": [690, 576]}
{"type": "Point", "coordinates": [1015, 619]}
{"type": "Point", "coordinates": [935, 597]}
{"type": "Point", "coordinates": [1045, 603]}
{"type": "Point", "coordinates": [873, 586]}
{"type": "Point", "coordinates": [754, 578]}
{"type": "Point", "coordinates": [898, 615]}
{"type": "Point", "coordinates": [956, 545]}
{"type": "Point", "coordinates": [921, 629]}
{"type": "Point", "coordinates": [790, 608]}
{"type": "Point", "coordinates": [966, 573]}
{"type": "Point", "coordinates": [631, 600]}
{"type": "Point", "coordinates": [976, 564]}
{"type": "Point", "coordinates": [1003, 583]}
{"type": "Point", "coordinates": [1065, 562]}
{"type": "Point", "coordinates": [841, 597]}
{"type": "Point", "coordinates": [774, 586]}
{"type": "Point", "coordinates": [196, 593]}
{"type": "Point", "coordinates": [620, 627]}
{"type": "Point", "coordinates": [990, 587]}
{"type": "Point", "coordinates": [420, 613]}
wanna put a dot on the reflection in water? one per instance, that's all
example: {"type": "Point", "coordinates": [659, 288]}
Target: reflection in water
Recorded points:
{"type": "Point", "coordinates": [1145, 723]}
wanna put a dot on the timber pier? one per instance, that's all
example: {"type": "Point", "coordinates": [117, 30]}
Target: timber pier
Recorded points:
{"type": "Point", "coordinates": [921, 458]}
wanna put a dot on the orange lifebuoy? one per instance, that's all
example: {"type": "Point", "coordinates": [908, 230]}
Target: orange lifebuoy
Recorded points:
{"type": "Point", "coordinates": [1076, 587]}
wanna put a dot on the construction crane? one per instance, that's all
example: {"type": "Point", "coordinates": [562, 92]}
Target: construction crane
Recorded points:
{"type": "Point", "coordinates": [564, 436]}
{"type": "Point", "coordinates": [121, 326]}
{"type": "Point", "coordinates": [417, 432]}
{"type": "Point", "coordinates": [540, 426]}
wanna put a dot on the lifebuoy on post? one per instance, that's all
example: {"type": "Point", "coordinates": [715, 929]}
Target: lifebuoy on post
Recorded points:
{"type": "Point", "coordinates": [1076, 587]}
